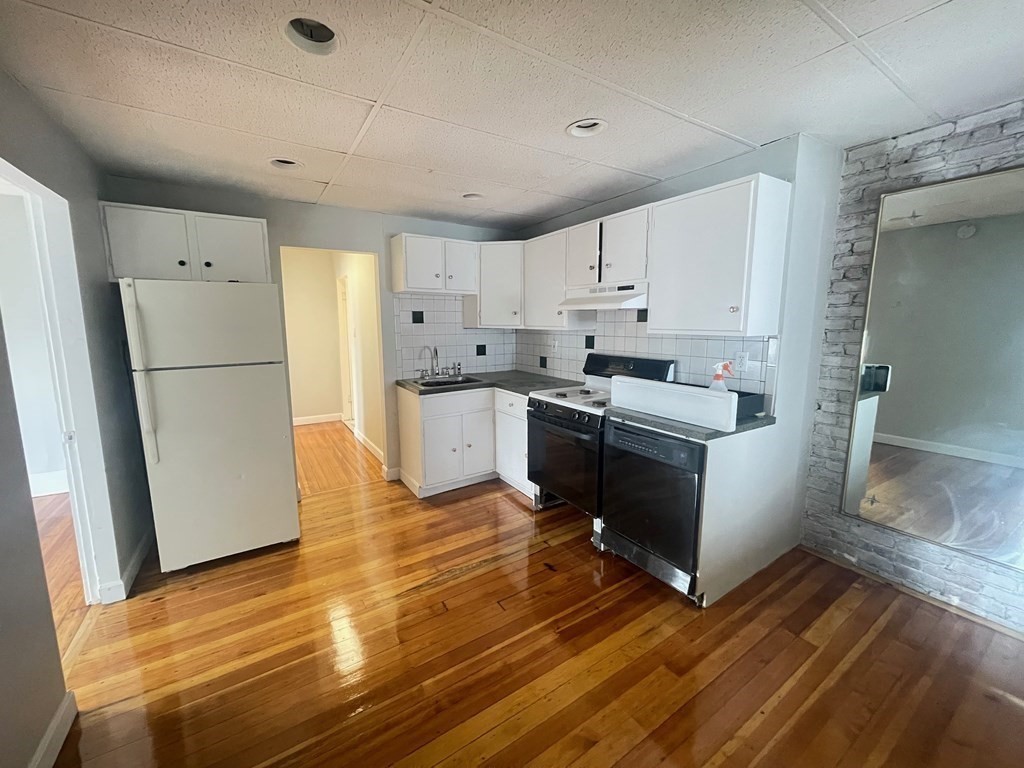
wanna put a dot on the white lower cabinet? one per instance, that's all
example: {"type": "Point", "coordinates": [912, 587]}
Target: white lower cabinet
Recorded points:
{"type": "Point", "coordinates": [510, 442]}
{"type": "Point", "coordinates": [446, 440]}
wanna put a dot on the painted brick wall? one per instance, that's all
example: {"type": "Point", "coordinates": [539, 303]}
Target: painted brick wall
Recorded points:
{"type": "Point", "coordinates": [980, 143]}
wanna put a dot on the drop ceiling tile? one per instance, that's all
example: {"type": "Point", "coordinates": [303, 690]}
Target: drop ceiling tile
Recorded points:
{"type": "Point", "coordinates": [682, 148]}
{"type": "Point", "coordinates": [399, 203]}
{"type": "Point", "coordinates": [683, 53]}
{"type": "Point", "coordinates": [596, 183]}
{"type": "Point", "coordinates": [840, 97]}
{"type": "Point", "coordinates": [862, 16]}
{"type": "Point", "coordinates": [961, 57]}
{"type": "Point", "coordinates": [534, 203]}
{"type": "Point", "coordinates": [466, 78]}
{"type": "Point", "coordinates": [117, 135]}
{"type": "Point", "coordinates": [41, 47]}
{"type": "Point", "coordinates": [372, 35]}
{"type": "Point", "coordinates": [410, 139]}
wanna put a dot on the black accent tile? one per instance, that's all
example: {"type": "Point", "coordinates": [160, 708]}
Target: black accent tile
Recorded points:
{"type": "Point", "coordinates": [641, 315]}
{"type": "Point", "coordinates": [481, 350]}
{"type": "Point", "coordinates": [588, 342]}
{"type": "Point", "coordinates": [543, 362]}
{"type": "Point", "coordinates": [417, 316]}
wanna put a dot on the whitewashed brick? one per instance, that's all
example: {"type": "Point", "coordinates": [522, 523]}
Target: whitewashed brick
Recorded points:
{"type": "Point", "coordinates": [925, 135]}
{"type": "Point", "coordinates": [998, 115]}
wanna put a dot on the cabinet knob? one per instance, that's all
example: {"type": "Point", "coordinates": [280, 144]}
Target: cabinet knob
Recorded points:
{"type": "Point", "coordinates": [437, 274]}
{"type": "Point", "coordinates": [510, 405]}
{"type": "Point", "coordinates": [734, 310]}
{"type": "Point", "coordinates": [455, 450]}
{"type": "Point", "coordinates": [469, 445]}
{"type": "Point", "coordinates": [514, 312]}
{"type": "Point", "coordinates": [559, 311]}
{"type": "Point", "coordinates": [449, 277]}
{"type": "Point", "coordinates": [207, 263]}
{"type": "Point", "coordinates": [607, 265]}
{"type": "Point", "coordinates": [182, 262]}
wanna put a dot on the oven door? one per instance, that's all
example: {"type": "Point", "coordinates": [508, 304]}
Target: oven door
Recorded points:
{"type": "Point", "coordinates": [566, 461]}
{"type": "Point", "coordinates": [652, 487]}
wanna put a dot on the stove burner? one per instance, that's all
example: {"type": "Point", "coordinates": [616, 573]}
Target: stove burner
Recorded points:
{"type": "Point", "coordinates": [599, 403]}
{"type": "Point", "coordinates": [562, 395]}
{"type": "Point", "coordinates": [586, 391]}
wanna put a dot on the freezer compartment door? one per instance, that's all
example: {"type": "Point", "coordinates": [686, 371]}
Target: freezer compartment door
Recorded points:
{"type": "Point", "coordinates": [182, 324]}
{"type": "Point", "coordinates": [220, 459]}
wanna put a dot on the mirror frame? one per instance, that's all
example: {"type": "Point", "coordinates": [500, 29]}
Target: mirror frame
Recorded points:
{"type": "Point", "coordinates": [861, 357]}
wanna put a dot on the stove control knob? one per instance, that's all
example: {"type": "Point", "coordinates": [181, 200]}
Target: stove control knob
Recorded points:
{"type": "Point", "coordinates": [575, 415]}
{"type": "Point", "coordinates": [543, 406]}
{"type": "Point", "coordinates": [586, 419]}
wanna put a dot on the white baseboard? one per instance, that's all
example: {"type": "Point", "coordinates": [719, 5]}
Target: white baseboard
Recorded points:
{"type": "Point", "coordinates": [49, 746]}
{"type": "Point", "coordinates": [377, 452]}
{"type": "Point", "coordinates": [116, 591]}
{"type": "Point", "coordinates": [390, 473]}
{"type": "Point", "coordinates": [48, 483]}
{"type": "Point", "coordinates": [990, 457]}
{"type": "Point", "coordinates": [298, 421]}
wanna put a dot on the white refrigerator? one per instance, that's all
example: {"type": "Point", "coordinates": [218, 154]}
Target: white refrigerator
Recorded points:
{"type": "Point", "coordinates": [207, 361]}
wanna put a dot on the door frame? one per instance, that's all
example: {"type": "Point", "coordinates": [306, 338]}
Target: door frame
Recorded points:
{"type": "Point", "coordinates": [64, 322]}
{"type": "Point", "coordinates": [347, 362]}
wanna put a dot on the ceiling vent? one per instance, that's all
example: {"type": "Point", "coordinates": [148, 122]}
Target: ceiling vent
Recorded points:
{"type": "Point", "coordinates": [311, 36]}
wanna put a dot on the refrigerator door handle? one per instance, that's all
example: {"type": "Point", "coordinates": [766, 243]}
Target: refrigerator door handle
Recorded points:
{"type": "Point", "coordinates": [133, 324]}
{"type": "Point", "coordinates": [146, 420]}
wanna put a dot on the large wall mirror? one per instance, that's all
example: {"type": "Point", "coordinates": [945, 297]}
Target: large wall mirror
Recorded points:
{"type": "Point", "coordinates": [937, 446]}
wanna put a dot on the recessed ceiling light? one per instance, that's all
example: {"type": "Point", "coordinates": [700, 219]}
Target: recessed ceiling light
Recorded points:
{"type": "Point", "coordinates": [285, 163]}
{"type": "Point", "coordinates": [473, 196]}
{"type": "Point", "coordinates": [310, 35]}
{"type": "Point", "coordinates": [588, 126]}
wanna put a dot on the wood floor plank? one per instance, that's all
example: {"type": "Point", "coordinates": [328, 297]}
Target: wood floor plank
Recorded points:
{"type": "Point", "coordinates": [468, 629]}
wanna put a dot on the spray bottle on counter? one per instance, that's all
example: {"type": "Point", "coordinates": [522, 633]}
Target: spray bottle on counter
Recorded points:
{"type": "Point", "coordinates": [718, 381]}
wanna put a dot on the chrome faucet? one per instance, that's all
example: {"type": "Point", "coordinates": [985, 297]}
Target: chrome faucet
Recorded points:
{"type": "Point", "coordinates": [435, 367]}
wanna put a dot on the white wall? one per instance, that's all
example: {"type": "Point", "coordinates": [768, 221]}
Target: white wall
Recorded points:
{"type": "Point", "coordinates": [30, 669]}
{"type": "Point", "coordinates": [310, 226]}
{"type": "Point", "coordinates": [108, 442]}
{"type": "Point", "coordinates": [361, 276]}
{"type": "Point", "coordinates": [311, 325]}
{"type": "Point", "coordinates": [21, 305]}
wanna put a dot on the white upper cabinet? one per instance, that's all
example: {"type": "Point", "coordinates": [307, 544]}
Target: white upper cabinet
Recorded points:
{"type": "Point", "coordinates": [460, 266]}
{"type": "Point", "coordinates": [583, 255]}
{"type": "Point", "coordinates": [544, 281]}
{"type": "Point", "coordinates": [500, 302]}
{"type": "Point", "coordinates": [226, 246]}
{"type": "Point", "coordinates": [166, 244]}
{"type": "Point", "coordinates": [624, 247]}
{"type": "Point", "coordinates": [422, 264]}
{"type": "Point", "coordinates": [717, 258]}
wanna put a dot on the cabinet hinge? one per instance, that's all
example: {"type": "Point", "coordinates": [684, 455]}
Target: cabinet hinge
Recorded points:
{"type": "Point", "coordinates": [69, 436]}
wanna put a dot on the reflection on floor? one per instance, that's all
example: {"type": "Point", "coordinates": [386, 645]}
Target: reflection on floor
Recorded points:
{"type": "Point", "coordinates": [329, 457]}
{"type": "Point", "coordinates": [466, 628]}
{"type": "Point", "coordinates": [60, 561]}
{"type": "Point", "coordinates": [971, 505]}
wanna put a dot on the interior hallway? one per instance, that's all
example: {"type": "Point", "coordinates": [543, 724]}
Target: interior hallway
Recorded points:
{"type": "Point", "coordinates": [329, 457]}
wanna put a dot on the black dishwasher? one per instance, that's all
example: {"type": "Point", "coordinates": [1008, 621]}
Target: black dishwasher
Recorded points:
{"type": "Point", "coordinates": [652, 484]}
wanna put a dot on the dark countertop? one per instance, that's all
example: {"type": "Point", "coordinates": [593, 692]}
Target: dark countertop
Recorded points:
{"type": "Point", "coordinates": [681, 428]}
{"type": "Point", "coordinates": [520, 382]}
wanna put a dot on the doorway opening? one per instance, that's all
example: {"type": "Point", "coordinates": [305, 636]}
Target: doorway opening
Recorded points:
{"type": "Point", "coordinates": [335, 366]}
{"type": "Point", "coordinates": [35, 250]}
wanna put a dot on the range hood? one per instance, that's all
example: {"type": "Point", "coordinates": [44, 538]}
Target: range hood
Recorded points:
{"type": "Point", "coordinates": [630, 296]}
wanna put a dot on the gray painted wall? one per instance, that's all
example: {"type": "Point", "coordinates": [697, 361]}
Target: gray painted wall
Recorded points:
{"type": "Point", "coordinates": [941, 314]}
{"type": "Point", "coordinates": [303, 225]}
{"type": "Point", "coordinates": [120, 512]}
{"type": "Point", "coordinates": [21, 304]}
{"type": "Point", "coordinates": [33, 683]}
{"type": "Point", "coordinates": [988, 141]}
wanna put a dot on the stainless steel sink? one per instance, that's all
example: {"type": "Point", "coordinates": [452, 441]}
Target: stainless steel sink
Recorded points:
{"type": "Point", "coordinates": [445, 381]}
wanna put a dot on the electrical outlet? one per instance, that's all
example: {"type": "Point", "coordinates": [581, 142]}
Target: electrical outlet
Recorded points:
{"type": "Point", "coordinates": [742, 362]}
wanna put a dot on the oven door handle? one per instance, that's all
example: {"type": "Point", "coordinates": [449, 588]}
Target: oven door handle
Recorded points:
{"type": "Point", "coordinates": [586, 437]}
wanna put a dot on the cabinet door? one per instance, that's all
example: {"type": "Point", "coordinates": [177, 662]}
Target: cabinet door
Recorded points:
{"type": "Point", "coordinates": [424, 263]}
{"type": "Point", "coordinates": [231, 250]}
{"type": "Point", "coordinates": [442, 450]}
{"type": "Point", "coordinates": [584, 250]}
{"type": "Point", "coordinates": [501, 284]}
{"type": "Point", "coordinates": [510, 447]}
{"type": "Point", "coordinates": [544, 281]}
{"type": "Point", "coordinates": [478, 442]}
{"type": "Point", "coordinates": [699, 261]}
{"type": "Point", "coordinates": [460, 265]}
{"type": "Point", "coordinates": [624, 247]}
{"type": "Point", "coordinates": [148, 244]}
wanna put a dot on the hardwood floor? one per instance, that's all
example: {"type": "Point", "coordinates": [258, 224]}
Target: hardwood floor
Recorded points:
{"type": "Point", "coordinates": [60, 561]}
{"type": "Point", "coordinates": [329, 457]}
{"type": "Point", "coordinates": [466, 629]}
{"type": "Point", "coordinates": [971, 505]}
